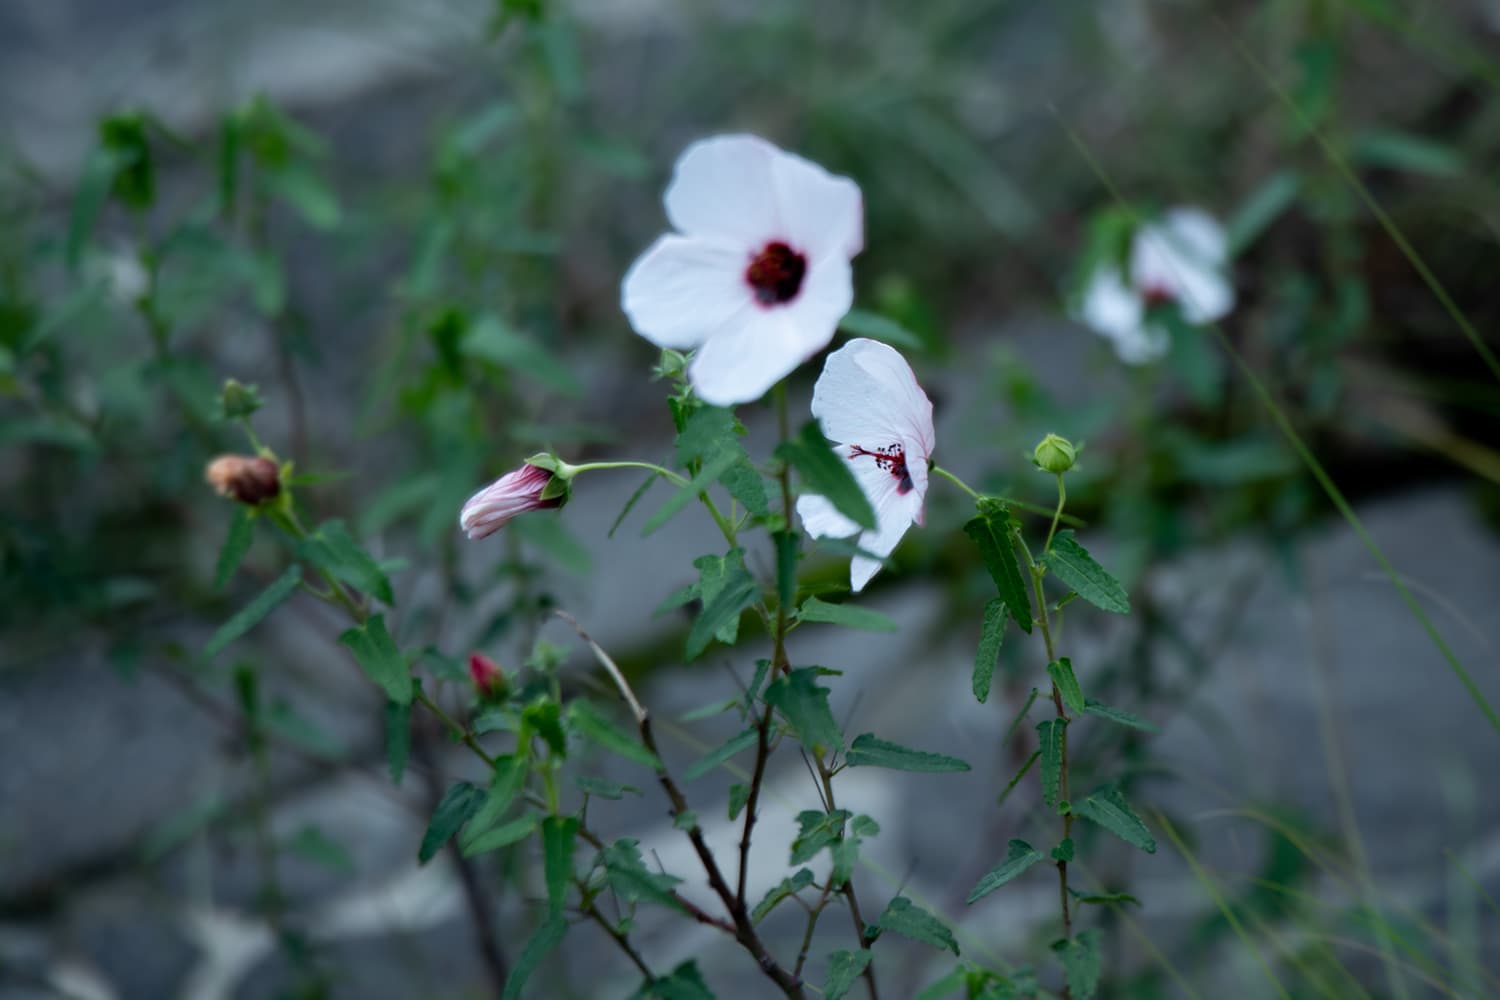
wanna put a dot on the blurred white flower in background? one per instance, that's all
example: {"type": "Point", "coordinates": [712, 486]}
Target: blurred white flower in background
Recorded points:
{"type": "Point", "coordinates": [757, 276]}
{"type": "Point", "coordinates": [870, 405]}
{"type": "Point", "coordinates": [1180, 260]}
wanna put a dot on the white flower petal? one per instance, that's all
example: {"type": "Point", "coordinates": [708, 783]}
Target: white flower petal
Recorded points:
{"type": "Point", "coordinates": [682, 289]}
{"type": "Point", "coordinates": [1109, 306]}
{"type": "Point", "coordinates": [760, 345]}
{"type": "Point", "coordinates": [1184, 256]}
{"type": "Point", "coordinates": [823, 215]}
{"type": "Point", "coordinates": [724, 188]}
{"type": "Point", "coordinates": [868, 395]}
{"type": "Point", "coordinates": [821, 519]}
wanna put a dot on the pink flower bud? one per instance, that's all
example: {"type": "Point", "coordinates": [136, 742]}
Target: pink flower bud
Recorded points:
{"type": "Point", "coordinates": [514, 493]}
{"type": "Point", "coordinates": [489, 679]}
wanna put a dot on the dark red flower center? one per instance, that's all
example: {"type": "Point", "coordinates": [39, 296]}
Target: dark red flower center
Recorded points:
{"type": "Point", "coordinates": [891, 458]}
{"type": "Point", "coordinates": [1157, 295]}
{"type": "Point", "coordinates": [775, 274]}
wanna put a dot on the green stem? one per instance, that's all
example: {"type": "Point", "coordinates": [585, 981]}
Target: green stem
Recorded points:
{"type": "Point", "coordinates": [596, 466]}
{"type": "Point", "coordinates": [957, 482]}
{"type": "Point", "coordinates": [1062, 498]}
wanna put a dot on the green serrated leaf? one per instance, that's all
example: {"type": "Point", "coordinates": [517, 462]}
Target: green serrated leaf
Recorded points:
{"type": "Point", "coordinates": [594, 726]}
{"type": "Point", "coordinates": [988, 654]}
{"type": "Point", "coordinates": [1107, 807]}
{"type": "Point", "coordinates": [825, 474]}
{"type": "Point", "coordinates": [500, 836]}
{"type": "Point", "coordinates": [1018, 858]}
{"type": "Point", "coordinates": [848, 615]}
{"type": "Point", "coordinates": [790, 886]}
{"type": "Point", "coordinates": [250, 615]}
{"type": "Point", "coordinates": [816, 830]}
{"type": "Point", "coordinates": [1124, 718]}
{"type": "Point", "coordinates": [629, 878]}
{"type": "Point", "coordinates": [1081, 963]}
{"type": "Point", "coordinates": [333, 550]}
{"type": "Point", "coordinates": [1053, 734]}
{"type": "Point", "coordinates": [868, 751]}
{"type": "Point", "coordinates": [1072, 564]}
{"type": "Point", "coordinates": [991, 532]}
{"type": "Point", "coordinates": [544, 718]}
{"type": "Point", "coordinates": [397, 738]}
{"type": "Point", "coordinates": [506, 783]}
{"type": "Point", "coordinates": [726, 589]}
{"type": "Point", "coordinates": [236, 544]}
{"type": "Point", "coordinates": [844, 967]}
{"type": "Point", "coordinates": [547, 937]}
{"type": "Point", "coordinates": [1062, 675]}
{"type": "Point", "coordinates": [382, 662]}
{"type": "Point", "coordinates": [712, 432]}
{"type": "Point", "coordinates": [721, 754]}
{"type": "Point", "coordinates": [804, 704]}
{"type": "Point", "coordinates": [559, 835]}
{"type": "Point", "coordinates": [458, 805]}
{"type": "Point", "coordinates": [904, 917]}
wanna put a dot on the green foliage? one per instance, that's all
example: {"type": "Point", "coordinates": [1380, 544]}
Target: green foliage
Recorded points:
{"type": "Point", "coordinates": [992, 531]}
{"type": "Point", "coordinates": [1107, 807]}
{"type": "Point", "coordinates": [904, 917]}
{"type": "Point", "coordinates": [593, 725]}
{"type": "Point", "coordinates": [739, 795]}
{"type": "Point", "coordinates": [630, 880]}
{"type": "Point", "coordinates": [868, 751]}
{"type": "Point", "coordinates": [844, 967]}
{"type": "Point", "coordinates": [847, 615]}
{"type": "Point", "coordinates": [823, 473]}
{"type": "Point", "coordinates": [789, 886]}
{"type": "Point", "coordinates": [457, 806]}
{"type": "Point", "coordinates": [236, 544]}
{"type": "Point", "coordinates": [559, 836]}
{"type": "Point", "coordinates": [988, 654]}
{"type": "Point", "coordinates": [251, 615]}
{"type": "Point", "coordinates": [804, 704]}
{"type": "Point", "coordinates": [397, 738]}
{"type": "Point", "coordinates": [602, 787]}
{"type": "Point", "coordinates": [506, 782]}
{"type": "Point", "coordinates": [684, 983]}
{"type": "Point", "coordinates": [1018, 858]}
{"type": "Point", "coordinates": [726, 589]}
{"type": "Point", "coordinates": [721, 754]}
{"type": "Point", "coordinates": [1053, 737]}
{"type": "Point", "coordinates": [1080, 960]}
{"type": "Point", "coordinates": [1061, 672]}
{"type": "Point", "coordinates": [710, 436]}
{"type": "Point", "coordinates": [495, 837]}
{"type": "Point", "coordinates": [332, 550]}
{"type": "Point", "coordinates": [1072, 564]}
{"type": "Point", "coordinates": [546, 938]}
{"type": "Point", "coordinates": [1102, 711]}
{"type": "Point", "coordinates": [377, 654]}
{"type": "Point", "coordinates": [815, 831]}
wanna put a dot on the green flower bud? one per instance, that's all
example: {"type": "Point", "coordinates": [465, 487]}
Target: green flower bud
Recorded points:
{"type": "Point", "coordinates": [1054, 454]}
{"type": "Point", "coordinates": [237, 400]}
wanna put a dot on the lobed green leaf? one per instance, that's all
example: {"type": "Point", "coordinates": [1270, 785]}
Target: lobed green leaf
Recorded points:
{"type": "Point", "coordinates": [1081, 963]}
{"type": "Point", "coordinates": [789, 886]}
{"type": "Point", "coordinates": [903, 917]}
{"type": "Point", "coordinates": [844, 967]}
{"type": "Point", "coordinates": [804, 704]}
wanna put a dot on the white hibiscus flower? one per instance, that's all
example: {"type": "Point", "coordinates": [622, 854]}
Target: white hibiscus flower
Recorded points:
{"type": "Point", "coordinates": [870, 405]}
{"type": "Point", "coordinates": [757, 276]}
{"type": "Point", "coordinates": [1180, 260]}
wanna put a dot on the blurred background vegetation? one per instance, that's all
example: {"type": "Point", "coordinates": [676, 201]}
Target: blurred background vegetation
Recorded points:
{"type": "Point", "coordinates": [407, 225]}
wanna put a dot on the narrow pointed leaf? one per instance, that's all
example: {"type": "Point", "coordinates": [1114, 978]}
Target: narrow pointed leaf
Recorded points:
{"type": "Point", "coordinates": [251, 614]}
{"type": "Point", "coordinates": [1072, 564]}
{"type": "Point", "coordinates": [559, 836]}
{"type": "Point", "coordinates": [594, 726]}
{"type": "Point", "coordinates": [236, 544]}
{"type": "Point", "coordinates": [397, 738]}
{"type": "Point", "coordinates": [991, 532]}
{"type": "Point", "coordinates": [1019, 857]}
{"type": "Point", "coordinates": [1108, 808]}
{"type": "Point", "coordinates": [988, 654]}
{"type": "Point", "coordinates": [868, 751]}
{"type": "Point", "coordinates": [1062, 675]}
{"type": "Point", "coordinates": [721, 754]}
{"type": "Point", "coordinates": [457, 807]}
{"type": "Point", "coordinates": [848, 615]}
{"type": "Point", "coordinates": [1052, 733]}
{"type": "Point", "coordinates": [1120, 716]}
{"type": "Point", "coordinates": [824, 473]}
{"type": "Point", "coordinates": [547, 937]}
{"type": "Point", "coordinates": [500, 836]}
{"type": "Point", "coordinates": [786, 887]}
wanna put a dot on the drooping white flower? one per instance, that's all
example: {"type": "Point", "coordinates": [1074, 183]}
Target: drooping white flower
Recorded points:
{"type": "Point", "coordinates": [870, 405]}
{"type": "Point", "coordinates": [1180, 260]}
{"type": "Point", "coordinates": [757, 276]}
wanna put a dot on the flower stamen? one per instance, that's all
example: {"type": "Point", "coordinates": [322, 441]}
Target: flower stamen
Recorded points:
{"type": "Point", "coordinates": [891, 458]}
{"type": "Point", "coordinates": [775, 274]}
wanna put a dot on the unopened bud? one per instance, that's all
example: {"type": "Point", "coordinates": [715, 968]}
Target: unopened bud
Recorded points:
{"type": "Point", "coordinates": [1055, 454]}
{"type": "Point", "coordinates": [237, 400]}
{"type": "Point", "coordinates": [489, 679]}
{"type": "Point", "coordinates": [250, 479]}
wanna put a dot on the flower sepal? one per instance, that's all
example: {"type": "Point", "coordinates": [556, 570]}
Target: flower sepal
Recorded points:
{"type": "Point", "coordinates": [1055, 454]}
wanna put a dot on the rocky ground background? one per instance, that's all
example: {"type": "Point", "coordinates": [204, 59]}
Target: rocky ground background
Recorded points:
{"type": "Point", "coordinates": [1326, 697]}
